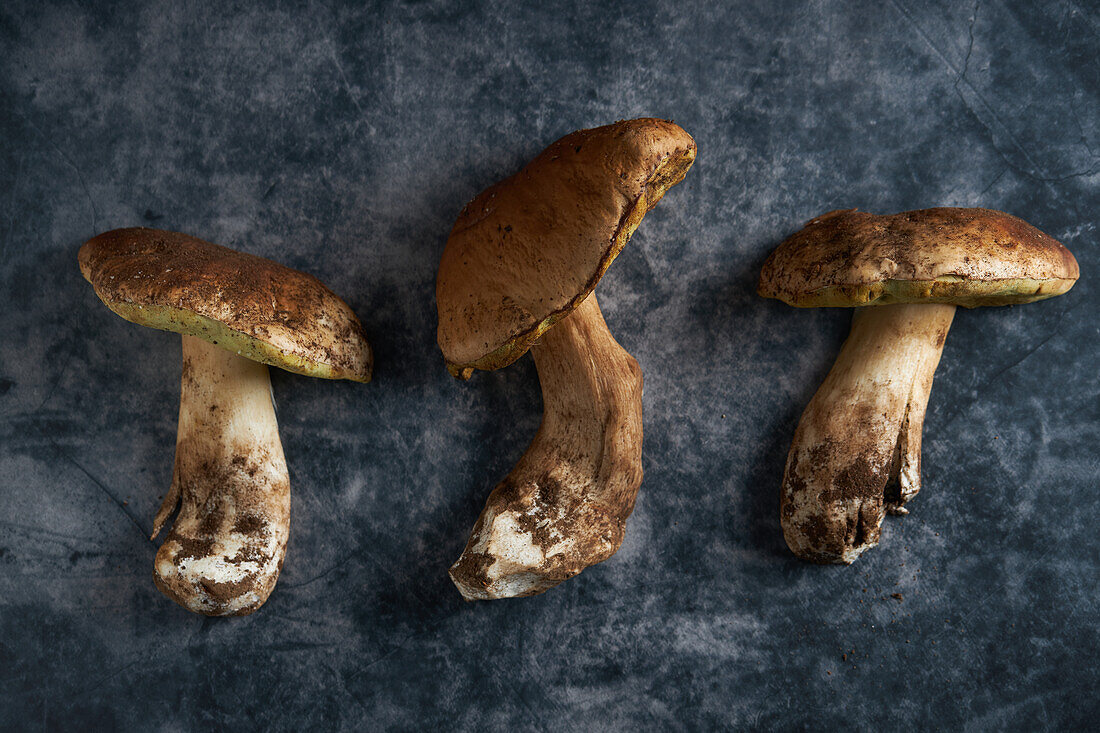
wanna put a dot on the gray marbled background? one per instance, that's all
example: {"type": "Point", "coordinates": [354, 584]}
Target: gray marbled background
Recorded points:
{"type": "Point", "coordinates": [344, 140]}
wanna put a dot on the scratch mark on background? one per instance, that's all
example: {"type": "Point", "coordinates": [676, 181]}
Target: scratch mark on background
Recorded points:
{"type": "Point", "coordinates": [347, 88]}
{"type": "Point", "coordinates": [68, 161]}
{"type": "Point", "coordinates": [969, 45]}
{"type": "Point", "coordinates": [98, 483]}
{"type": "Point", "coordinates": [57, 382]}
{"type": "Point", "coordinates": [1037, 172]}
{"type": "Point", "coordinates": [992, 183]}
{"type": "Point", "coordinates": [49, 535]}
{"type": "Point", "coordinates": [1012, 365]}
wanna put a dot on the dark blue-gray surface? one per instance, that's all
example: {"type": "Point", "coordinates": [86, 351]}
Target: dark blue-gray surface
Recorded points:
{"type": "Point", "coordinates": [344, 141]}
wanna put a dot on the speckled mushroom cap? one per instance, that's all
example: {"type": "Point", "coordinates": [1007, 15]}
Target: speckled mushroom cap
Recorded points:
{"type": "Point", "coordinates": [528, 250]}
{"type": "Point", "coordinates": [967, 257]}
{"type": "Point", "coordinates": [260, 309]}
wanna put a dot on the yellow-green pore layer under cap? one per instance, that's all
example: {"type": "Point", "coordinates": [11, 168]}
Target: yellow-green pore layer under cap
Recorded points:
{"type": "Point", "coordinates": [967, 257]}
{"type": "Point", "coordinates": [257, 308]}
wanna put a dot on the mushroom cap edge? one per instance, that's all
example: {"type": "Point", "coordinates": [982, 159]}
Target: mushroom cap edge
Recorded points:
{"type": "Point", "coordinates": [262, 310]}
{"type": "Point", "coordinates": [962, 256]}
{"type": "Point", "coordinates": [606, 178]}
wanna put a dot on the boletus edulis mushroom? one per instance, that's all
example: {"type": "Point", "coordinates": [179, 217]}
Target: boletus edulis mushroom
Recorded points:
{"type": "Point", "coordinates": [856, 451]}
{"type": "Point", "coordinates": [517, 274]}
{"type": "Point", "coordinates": [237, 313]}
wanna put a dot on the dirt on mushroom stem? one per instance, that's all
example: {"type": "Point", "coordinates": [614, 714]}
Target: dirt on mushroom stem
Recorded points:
{"type": "Point", "coordinates": [227, 545]}
{"type": "Point", "coordinates": [565, 504]}
{"type": "Point", "coordinates": [856, 451]}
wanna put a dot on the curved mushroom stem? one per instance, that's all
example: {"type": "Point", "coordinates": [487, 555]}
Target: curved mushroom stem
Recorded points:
{"type": "Point", "coordinates": [227, 545]}
{"type": "Point", "coordinates": [856, 452]}
{"type": "Point", "coordinates": [565, 504]}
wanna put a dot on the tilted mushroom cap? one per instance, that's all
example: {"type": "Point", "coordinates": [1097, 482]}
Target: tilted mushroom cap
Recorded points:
{"type": "Point", "coordinates": [967, 257]}
{"type": "Point", "coordinates": [528, 250]}
{"type": "Point", "coordinates": [262, 310]}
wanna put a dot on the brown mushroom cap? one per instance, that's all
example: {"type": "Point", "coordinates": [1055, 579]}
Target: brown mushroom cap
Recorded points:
{"type": "Point", "coordinates": [528, 250]}
{"type": "Point", "coordinates": [262, 310]}
{"type": "Point", "coordinates": [967, 257]}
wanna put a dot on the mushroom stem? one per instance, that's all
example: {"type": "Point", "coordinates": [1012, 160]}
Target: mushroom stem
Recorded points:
{"type": "Point", "coordinates": [226, 548]}
{"type": "Point", "coordinates": [565, 504]}
{"type": "Point", "coordinates": [856, 452]}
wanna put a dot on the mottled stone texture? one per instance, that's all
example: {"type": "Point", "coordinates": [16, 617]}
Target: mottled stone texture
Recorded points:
{"type": "Point", "coordinates": [344, 140]}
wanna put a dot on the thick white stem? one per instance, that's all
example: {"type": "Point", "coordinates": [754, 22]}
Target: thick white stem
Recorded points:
{"type": "Point", "coordinates": [861, 431]}
{"type": "Point", "coordinates": [565, 504]}
{"type": "Point", "coordinates": [226, 548]}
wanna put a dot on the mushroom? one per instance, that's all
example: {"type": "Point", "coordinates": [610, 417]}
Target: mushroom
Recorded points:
{"type": "Point", "coordinates": [856, 451]}
{"type": "Point", "coordinates": [518, 273]}
{"type": "Point", "coordinates": [236, 313]}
